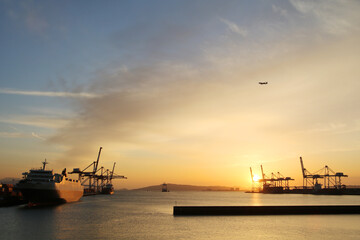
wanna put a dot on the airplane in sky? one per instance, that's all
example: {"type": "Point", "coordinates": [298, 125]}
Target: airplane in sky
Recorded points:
{"type": "Point", "coordinates": [262, 83]}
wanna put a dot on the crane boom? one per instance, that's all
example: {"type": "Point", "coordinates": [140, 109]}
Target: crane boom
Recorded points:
{"type": "Point", "coordinates": [97, 161]}
{"type": "Point", "coordinates": [262, 172]}
{"type": "Point", "coordinates": [252, 177]}
{"type": "Point", "coordinates": [112, 172]}
{"type": "Point", "coordinates": [302, 167]}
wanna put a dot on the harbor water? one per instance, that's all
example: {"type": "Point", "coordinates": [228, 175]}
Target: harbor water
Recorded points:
{"type": "Point", "coordinates": [149, 215]}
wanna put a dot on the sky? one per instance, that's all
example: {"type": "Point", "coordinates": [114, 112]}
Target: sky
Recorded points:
{"type": "Point", "coordinates": [170, 89]}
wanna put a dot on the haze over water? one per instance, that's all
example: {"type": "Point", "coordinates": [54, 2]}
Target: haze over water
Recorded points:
{"type": "Point", "coordinates": [148, 215]}
{"type": "Point", "coordinates": [170, 89]}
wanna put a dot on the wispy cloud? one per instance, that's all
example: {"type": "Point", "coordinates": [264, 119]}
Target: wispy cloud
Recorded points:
{"type": "Point", "coordinates": [334, 17]}
{"type": "Point", "coordinates": [279, 10]}
{"type": "Point", "coordinates": [49, 93]}
{"type": "Point", "coordinates": [234, 28]}
{"type": "Point", "coordinates": [328, 127]}
{"type": "Point", "coordinates": [37, 136]}
{"type": "Point", "coordinates": [35, 121]}
{"type": "Point", "coordinates": [21, 135]}
{"type": "Point", "coordinates": [182, 110]}
{"type": "Point", "coordinates": [31, 15]}
{"type": "Point", "coordinates": [35, 23]}
{"type": "Point", "coordinates": [11, 135]}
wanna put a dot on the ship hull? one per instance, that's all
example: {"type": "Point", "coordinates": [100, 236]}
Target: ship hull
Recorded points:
{"type": "Point", "coordinates": [50, 193]}
{"type": "Point", "coordinates": [107, 191]}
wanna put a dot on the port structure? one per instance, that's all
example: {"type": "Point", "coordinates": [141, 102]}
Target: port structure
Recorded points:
{"type": "Point", "coordinates": [275, 183]}
{"type": "Point", "coordinates": [322, 182]}
{"type": "Point", "coordinates": [95, 180]}
{"type": "Point", "coordinates": [331, 179]}
{"type": "Point", "coordinates": [252, 181]}
{"type": "Point", "coordinates": [255, 185]}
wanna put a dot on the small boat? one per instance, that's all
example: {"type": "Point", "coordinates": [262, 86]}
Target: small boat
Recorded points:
{"type": "Point", "coordinates": [164, 188]}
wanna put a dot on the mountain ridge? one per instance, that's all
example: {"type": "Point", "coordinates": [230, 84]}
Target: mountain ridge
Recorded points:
{"type": "Point", "coordinates": [183, 187]}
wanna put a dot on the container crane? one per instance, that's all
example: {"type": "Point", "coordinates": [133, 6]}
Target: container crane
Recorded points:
{"type": "Point", "coordinates": [331, 178]}
{"type": "Point", "coordinates": [94, 181]}
{"type": "Point", "coordinates": [309, 178]}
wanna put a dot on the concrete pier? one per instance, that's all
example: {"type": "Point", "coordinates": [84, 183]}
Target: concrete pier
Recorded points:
{"type": "Point", "coordinates": [264, 210]}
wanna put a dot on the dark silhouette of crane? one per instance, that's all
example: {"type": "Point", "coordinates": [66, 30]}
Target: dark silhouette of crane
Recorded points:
{"type": "Point", "coordinates": [98, 180]}
{"type": "Point", "coordinates": [331, 178]}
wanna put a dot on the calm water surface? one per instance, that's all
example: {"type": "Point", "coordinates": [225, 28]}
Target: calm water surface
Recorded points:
{"type": "Point", "coordinates": [148, 215]}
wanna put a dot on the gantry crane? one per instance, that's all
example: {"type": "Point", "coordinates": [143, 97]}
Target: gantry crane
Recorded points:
{"type": "Point", "coordinates": [95, 181]}
{"type": "Point", "coordinates": [331, 179]}
{"type": "Point", "coordinates": [275, 183]}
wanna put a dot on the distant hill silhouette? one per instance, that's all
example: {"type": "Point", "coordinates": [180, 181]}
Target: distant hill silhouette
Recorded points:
{"type": "Point", "coordinates": [9, 180]}
{"type": "Point", "coordinates": [179, 187]}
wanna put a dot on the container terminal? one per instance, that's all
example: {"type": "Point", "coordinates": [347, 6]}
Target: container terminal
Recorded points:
{"type": "Point", "coordinates": [97, 180]}
{"type": "Point", "coordinates": [93, 180]}
{"type": "Point", "coordinates": [323, 182]}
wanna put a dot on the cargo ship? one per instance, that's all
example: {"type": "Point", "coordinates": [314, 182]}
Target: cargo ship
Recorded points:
{"type": "Point", "coordinates": [41, 186]}
{"type": "Point", "coordinates": [108, 189]}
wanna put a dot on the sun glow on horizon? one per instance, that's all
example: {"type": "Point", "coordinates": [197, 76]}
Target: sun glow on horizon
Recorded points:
{"type": "Point", "coordinates": [256, 178]}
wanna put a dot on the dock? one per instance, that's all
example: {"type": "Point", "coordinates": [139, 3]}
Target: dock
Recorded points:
{"type": "Point", "coordinates": [9, 196]}
{"type": "Point", "coordinates": [322, 182]}
{"type": "Point", "coordinates": [265, 210]}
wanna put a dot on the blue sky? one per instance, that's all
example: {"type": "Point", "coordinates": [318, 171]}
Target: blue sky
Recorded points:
{"type": "Point", "coordinates": [164, 84]}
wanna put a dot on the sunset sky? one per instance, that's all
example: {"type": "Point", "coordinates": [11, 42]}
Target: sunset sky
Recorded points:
{"type": "Point", "coordinates": [170, 89]}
